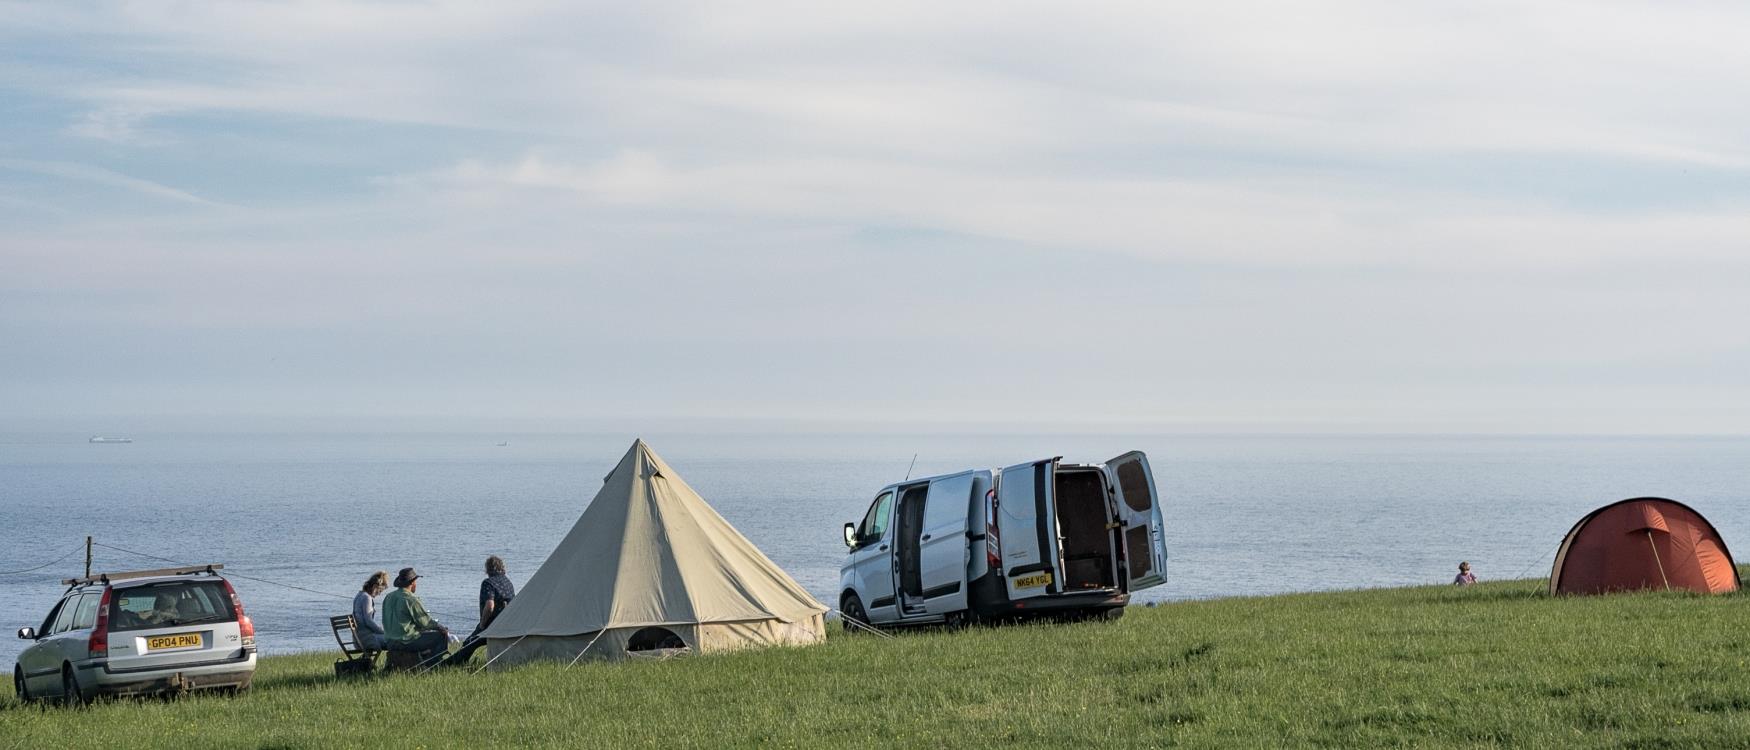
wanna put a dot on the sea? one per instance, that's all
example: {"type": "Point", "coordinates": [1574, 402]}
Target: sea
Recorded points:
{"type": "Point", "coordinates": [300, 520]}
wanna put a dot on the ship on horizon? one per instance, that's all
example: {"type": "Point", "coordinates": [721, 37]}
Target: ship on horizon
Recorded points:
{"type": "Point", "coordinates": [102, 439]}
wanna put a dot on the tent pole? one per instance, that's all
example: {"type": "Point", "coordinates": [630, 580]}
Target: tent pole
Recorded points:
{"type": "Point", "coordinates": [1656, 560]}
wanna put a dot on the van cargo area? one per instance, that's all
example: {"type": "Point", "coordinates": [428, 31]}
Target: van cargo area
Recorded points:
{"type": "Point", "coordinates": [1084, 531]}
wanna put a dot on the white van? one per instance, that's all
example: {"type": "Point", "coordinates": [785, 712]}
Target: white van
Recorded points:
{"type": "Point", "coordinates": [1034, 538]}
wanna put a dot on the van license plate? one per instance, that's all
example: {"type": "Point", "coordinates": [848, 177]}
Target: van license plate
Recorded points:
{"type": "Point", "coordinates": [1032, 581]}
{"type": "Point", "coordinates": [180, 640]}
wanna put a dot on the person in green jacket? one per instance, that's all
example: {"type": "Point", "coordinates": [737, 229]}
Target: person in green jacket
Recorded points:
{"type": "Point", "coordinates": [407, 626]}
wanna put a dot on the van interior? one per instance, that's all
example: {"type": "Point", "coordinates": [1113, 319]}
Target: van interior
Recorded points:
{"type": "Point", "coordinates": [911, 528]}
{"type": "Point", "coordinates": [1083, 532]}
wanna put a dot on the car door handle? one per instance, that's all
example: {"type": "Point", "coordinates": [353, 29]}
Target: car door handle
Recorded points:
{"type": "Point", "coordinates": [926, 538]}
{"type": "Point", "coordinates": [882, 548]}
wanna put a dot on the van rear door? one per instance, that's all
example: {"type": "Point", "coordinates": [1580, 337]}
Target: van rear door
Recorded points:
{"type": "Point", "coordinates": [1027, 529]}
{"type": "Point", "coordinates": [1139, 509]}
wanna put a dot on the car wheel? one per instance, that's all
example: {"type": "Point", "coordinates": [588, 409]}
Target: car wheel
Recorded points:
{"type": "Point", "coordinates": [18, 685]}
{"type": "Point", "coordinates": [851, 609]}
{"type": "Point", "coordinates": [70, 694]}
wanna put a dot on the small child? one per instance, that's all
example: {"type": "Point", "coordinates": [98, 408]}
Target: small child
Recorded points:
{"type": "Point", "coordinates": [1464, 575]}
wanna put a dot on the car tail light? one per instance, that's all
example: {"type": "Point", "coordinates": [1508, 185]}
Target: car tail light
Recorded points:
{"type": "Point", "coordinates": [99, 645]}
{"type": "Point", "coordinates": [245, 627]}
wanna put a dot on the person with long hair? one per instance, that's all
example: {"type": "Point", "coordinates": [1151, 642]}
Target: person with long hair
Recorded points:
{"type": "Point", "coordinates": [364, 611]}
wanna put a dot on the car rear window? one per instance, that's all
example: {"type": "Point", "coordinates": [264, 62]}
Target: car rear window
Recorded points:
{"type": "Point", "coordinates": [87, 614]}
{"type": "Point", "coordinates": [169, 604]}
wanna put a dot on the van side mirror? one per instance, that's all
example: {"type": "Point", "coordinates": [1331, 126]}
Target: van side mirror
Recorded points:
{"type": "Point", "coordinates": [28, 634]}
{"type": "Point", "coordinates": [850, 537]}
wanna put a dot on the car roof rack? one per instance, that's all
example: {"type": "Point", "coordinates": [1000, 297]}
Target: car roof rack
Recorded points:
{"type": "Point", "coordinates": [212, 568]}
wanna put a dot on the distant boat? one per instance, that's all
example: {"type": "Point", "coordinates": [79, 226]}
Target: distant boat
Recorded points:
{"type": "Point", "coordinates": [102, 439]}
{"type": "Point", "coordinates": [504, 444]}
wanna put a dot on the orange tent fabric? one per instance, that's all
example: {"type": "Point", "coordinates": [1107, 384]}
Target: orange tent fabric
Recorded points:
{"type": "Point", "coordinates": [1643, 543]}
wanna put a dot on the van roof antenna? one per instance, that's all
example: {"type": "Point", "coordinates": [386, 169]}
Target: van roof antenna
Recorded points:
{"type": "Point", "coordinates": [914, 464]}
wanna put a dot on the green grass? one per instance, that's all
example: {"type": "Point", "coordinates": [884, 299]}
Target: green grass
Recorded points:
{"type": "Point", "coordinates": [1492, 665]}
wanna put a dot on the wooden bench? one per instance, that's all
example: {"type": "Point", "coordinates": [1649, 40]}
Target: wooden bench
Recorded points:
{"type": "Point", "coordinates": [358, 659]}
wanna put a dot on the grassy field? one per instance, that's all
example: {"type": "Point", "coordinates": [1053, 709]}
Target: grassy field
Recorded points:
{"type": "Point", "coordinates": [1493, 665]}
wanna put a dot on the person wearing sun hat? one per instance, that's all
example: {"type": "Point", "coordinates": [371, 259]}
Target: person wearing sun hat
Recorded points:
{"type": "Point", "coordinates": [406, 624]}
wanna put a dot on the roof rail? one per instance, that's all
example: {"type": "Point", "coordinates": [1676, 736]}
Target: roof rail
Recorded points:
{"type": "Point", "coordinates": [107, 577]}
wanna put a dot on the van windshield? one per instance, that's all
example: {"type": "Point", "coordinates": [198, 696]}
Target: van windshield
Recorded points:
{"type": "Point", "coordinates": [169, 604]}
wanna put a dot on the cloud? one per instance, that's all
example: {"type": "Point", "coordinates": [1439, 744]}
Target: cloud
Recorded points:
{"type": "Point", "coordinates": [1625, 80]}
{"type": "Point", "coordinates": [116, 124]}
{"type": "Point", "coordinates": [1250, 209]}
{"type": "Point", "coordinates": [105, 177]}
{"type": "Point", "coordinates": [1270, 222]}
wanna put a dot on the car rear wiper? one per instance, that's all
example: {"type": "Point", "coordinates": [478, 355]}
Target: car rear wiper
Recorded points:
{"type": "Point", "coordinates": [209, 618]}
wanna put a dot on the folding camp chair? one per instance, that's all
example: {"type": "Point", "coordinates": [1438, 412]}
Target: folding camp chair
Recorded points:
{"type": "Point", "coordinates": [358, 659]}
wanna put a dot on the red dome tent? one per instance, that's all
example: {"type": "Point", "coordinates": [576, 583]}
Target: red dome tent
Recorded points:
{"type": "Point", "coordinates": [1643, 543]}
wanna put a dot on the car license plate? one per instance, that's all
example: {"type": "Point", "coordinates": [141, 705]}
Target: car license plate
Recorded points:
{"type": "Point", "coordinates": [1032, 581]}
{"type": "Point", "coordinates": [179, 640]}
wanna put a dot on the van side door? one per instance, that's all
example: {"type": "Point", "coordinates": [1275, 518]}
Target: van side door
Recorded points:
{"type": "Point", "coordinates": [872, 560]}
{"type": "Point", "coordinates": [944, 543]}
{"type": "Point", "coordinates": [1027, 529]}
{"type": "Point", "coordinates": [1139, 510]}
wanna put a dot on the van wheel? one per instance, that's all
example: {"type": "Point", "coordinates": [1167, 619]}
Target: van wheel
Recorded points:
{"type": "Point", "coordinates": [70, 694]}
{"type": "Point", "coordinates": [18, 685]}
{"type": "Point", "coordinates": [851, 609]}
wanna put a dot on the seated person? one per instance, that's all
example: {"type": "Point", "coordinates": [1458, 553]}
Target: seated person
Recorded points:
{"type": "Point", "coordinates": [163, 610]}
{"type": "Point", "coordinates": [364, 611]}
{"type": "Point", "coordinates": [407, 626]}
{"type": "Point", "coordinates": [496, 591]}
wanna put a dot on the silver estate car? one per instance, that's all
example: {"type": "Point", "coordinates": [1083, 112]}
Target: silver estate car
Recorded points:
{"type": "Point", "coordinates": [152, 631]}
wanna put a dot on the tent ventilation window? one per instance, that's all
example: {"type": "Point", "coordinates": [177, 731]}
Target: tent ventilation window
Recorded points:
{"type": "Point", "coordinates": [655, 639]}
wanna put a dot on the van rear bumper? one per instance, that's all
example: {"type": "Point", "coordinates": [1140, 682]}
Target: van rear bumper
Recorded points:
{"type": "Point", "coordinates": [1056, 604]}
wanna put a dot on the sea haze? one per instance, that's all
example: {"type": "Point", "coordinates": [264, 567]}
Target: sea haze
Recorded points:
{"type": "Point", "coordinates": [1246, 515]}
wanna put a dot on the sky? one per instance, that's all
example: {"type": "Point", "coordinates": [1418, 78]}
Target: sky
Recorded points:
{"type": "Point", "coordinates": [1476, 217]}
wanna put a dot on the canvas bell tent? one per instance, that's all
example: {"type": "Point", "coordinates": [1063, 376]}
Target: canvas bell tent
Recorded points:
{"type": "Point", "coordinates": [651, 566]}
{"type": "Point", "coordinates": [1643, 543]}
